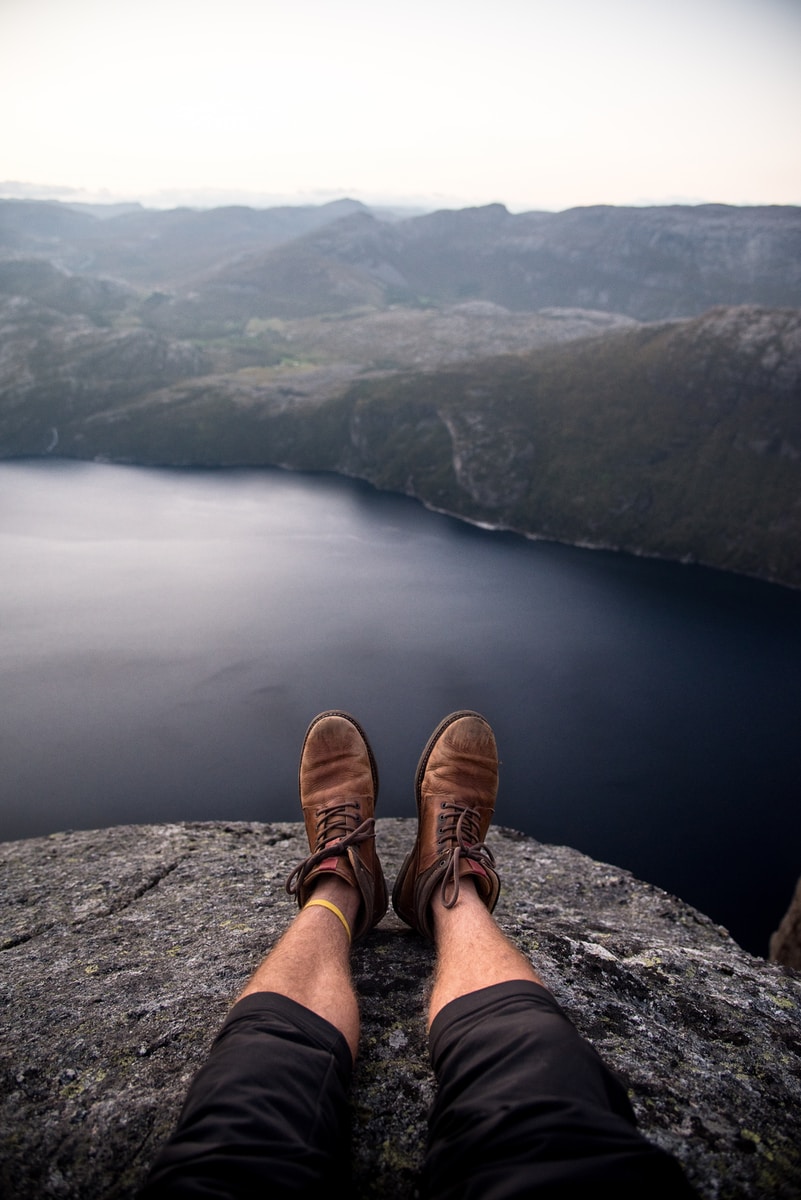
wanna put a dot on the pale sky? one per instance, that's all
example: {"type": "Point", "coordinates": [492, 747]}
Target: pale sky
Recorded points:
{"type": "Point", "coordinates": [435, 102]}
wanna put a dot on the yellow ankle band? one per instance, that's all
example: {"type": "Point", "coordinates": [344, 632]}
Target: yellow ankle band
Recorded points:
{"type": "Point", "coordinates": [334, 909]}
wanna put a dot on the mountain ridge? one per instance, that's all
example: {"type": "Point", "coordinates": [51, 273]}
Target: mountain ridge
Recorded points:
{"type": "Point", "coordinates": [649, 263]}
{"type": "Point", "coordinates": [385, 350]}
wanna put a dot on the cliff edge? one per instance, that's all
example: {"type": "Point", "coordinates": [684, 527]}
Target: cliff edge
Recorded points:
{"type": "Point", "coordinates": [123, 947]}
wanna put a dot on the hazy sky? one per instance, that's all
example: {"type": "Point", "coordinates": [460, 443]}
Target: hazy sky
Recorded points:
{"type": "Point", "coordinates": [448, 102]}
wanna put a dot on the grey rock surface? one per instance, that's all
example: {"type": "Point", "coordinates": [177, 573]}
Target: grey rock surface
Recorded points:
{"type": "Point", "coordinates": [123, 948]}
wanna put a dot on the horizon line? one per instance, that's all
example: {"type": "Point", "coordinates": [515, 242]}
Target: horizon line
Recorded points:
{"type": "Point", "coordinates": [210, 198]}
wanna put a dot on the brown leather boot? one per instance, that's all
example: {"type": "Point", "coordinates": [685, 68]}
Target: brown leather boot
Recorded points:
{"type": "Point", "coordinates": [338, 781]}
{"type": "Point", "coordinates": [455, 786]}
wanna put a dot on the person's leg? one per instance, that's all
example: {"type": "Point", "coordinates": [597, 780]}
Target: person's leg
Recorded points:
{"type": "Point", "coordinates": [472, 953]}
{"type": "Point", "coordinates": [268, 1112]}
{"type": "Point", "coordinates": [524, 1105]}
{"type": "Point", "coordinates": [311, 962]}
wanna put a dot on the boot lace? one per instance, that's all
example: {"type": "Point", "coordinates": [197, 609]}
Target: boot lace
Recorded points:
{"type": "Point", "coordinates": [336, 832]}
{"type": "Point", "coordinates": [459, 834]}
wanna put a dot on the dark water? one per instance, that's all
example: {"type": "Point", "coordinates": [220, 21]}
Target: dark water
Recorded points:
{"type": "Point", "coordinates": [166, 636]}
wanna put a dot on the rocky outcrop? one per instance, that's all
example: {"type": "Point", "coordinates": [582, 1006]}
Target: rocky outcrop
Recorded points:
{"type": "Point", "coordinates": [785, 943]}
{"type": "Point", "coordinates": [124, 947]}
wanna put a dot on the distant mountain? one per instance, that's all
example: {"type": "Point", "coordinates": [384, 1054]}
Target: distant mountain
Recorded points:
{"type": "Point", "coordinates": [39, 227]}
{"type": "Point", "coordinates": [616, 377]}
{"type": "Point", "coordinates": [650, 264]}
{"type": "Point", "coordinates": [153, 247]}
{"type": "Point", "coordinates": [234, 263]}
{"type": "Point", "coordinates": [53, 287]}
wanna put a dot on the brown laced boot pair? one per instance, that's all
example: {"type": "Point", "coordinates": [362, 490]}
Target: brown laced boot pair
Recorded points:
{"type": "Point", "coordinates": [455, 786]}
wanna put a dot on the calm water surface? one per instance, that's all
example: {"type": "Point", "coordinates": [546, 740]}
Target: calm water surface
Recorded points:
{"type": "Point", "coordinates": [166, 636]}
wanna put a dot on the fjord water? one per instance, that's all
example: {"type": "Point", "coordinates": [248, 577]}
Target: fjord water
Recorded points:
{"type": "Point", "coordinates": [166, 636]}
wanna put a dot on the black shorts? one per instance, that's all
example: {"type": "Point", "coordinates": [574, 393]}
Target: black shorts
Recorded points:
{"type": "Point", "coordinates": [525, 1107]}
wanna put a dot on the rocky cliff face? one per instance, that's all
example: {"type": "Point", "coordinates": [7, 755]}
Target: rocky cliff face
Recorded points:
{"type": "Point", "coordinates": [123, 948]}
{"type": "Point", "coordinates": [680, 439]}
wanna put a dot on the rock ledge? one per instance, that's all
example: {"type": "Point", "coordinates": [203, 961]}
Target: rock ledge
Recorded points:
{"type": "Point", "coordinates": [123, 948]}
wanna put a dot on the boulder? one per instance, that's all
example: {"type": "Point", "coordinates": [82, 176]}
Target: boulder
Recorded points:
{"type": "Point", "coordinates": [785, 943]}
{"type": "Point", "coordinates": [124, 947]}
